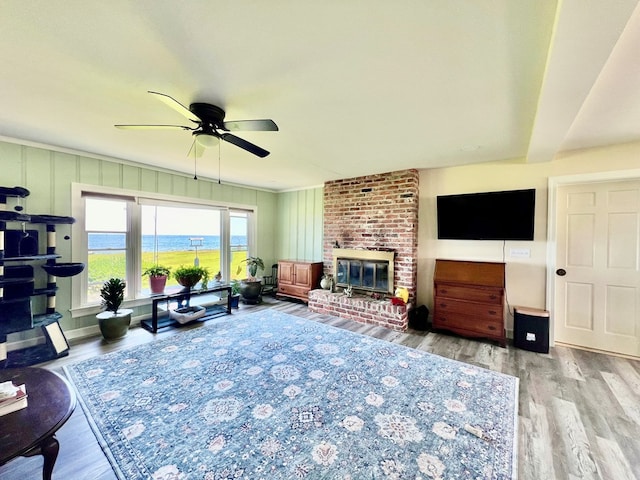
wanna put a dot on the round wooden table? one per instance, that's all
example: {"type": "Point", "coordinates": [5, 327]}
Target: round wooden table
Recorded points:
{"type": "Point", "coordinates": [31, 431]}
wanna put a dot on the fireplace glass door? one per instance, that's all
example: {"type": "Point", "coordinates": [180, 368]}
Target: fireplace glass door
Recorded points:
{"type": "Point", "coordinates": [366, 275]}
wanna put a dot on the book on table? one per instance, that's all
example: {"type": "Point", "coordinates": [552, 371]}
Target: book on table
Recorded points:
{"type": "Point", "coordinates": [12, 398]}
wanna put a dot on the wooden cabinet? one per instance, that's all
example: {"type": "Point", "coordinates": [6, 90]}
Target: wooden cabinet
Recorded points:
{"type": "Point", "coordinates": [469, 298]}
{"type": "Point", "coordinates": [296, 278]}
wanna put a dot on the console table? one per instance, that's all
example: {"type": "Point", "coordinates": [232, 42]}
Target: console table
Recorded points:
{"type": "Point", "coordinates": [161, 319]}
{"type": "Point", "coordinates": [31, 430]}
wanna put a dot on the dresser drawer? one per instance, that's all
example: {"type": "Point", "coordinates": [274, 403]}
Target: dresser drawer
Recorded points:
{"type": "Point", "coordinates": [470, 309]}
{"type": "Point", "coordinates": [474, 294]}
{"type": "Point", "coordinates": [470, 323]}
{"type": "Point", "coordinates": [294, 290]}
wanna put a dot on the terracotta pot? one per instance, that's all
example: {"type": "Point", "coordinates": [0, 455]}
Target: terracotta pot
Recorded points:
{"type": "Point", "coordinates": [157, 284]}
{"type": "Point", "coordinates": [189, 281]}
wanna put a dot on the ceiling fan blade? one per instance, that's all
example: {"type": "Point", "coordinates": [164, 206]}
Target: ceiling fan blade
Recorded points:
{"type": "Point", "coordinates": [177, 106]}
{"type": "Point", "coordinates": [248, 146]}
{"type": "Point", "coordinates": [199, 150]}
{"type": "Point", "coordinates": [264, 125]}
{"type": "Point", "coordinates": [153, 127]}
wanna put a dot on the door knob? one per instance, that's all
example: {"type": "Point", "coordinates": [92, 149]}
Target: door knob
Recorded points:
{"type": "Point", "coordinates": [561, 272]}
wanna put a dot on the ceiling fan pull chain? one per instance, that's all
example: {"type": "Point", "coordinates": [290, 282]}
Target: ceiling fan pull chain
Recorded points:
{"type": "Point", "coordinates": [219, 162]}
{"type": "Point", "coordinates": [195, 161]}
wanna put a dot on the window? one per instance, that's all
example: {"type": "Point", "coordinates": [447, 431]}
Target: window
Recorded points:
{"type": "Point", "coordinates": [184, 235]}
{"type": "Point", "coordinates": [239, 238]}
{"type": "Point", "coordinates": [123, 235]}
{"type": "Point", "coordinates": [106, 229]}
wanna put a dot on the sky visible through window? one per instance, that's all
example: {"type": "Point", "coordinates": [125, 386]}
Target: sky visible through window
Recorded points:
{"type": "Point", "coordinates": [109, 215]}
{"type": "Point", "coordinates": [180, 221]}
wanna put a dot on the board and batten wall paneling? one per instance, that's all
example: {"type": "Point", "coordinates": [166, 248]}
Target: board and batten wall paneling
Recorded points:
{"type": "Point", "coordinates": [299, 232]}
{"type": "Point", "coordinates": [13, 173]}
{"type": "Point", "coordinates": [38, 162]}
{"type": "Point", "coordinates": [266, 222]}
{"type": "Point", "coordinates": [48, 175]}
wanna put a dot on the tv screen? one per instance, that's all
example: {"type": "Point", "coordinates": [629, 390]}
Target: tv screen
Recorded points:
{"type": "Point", "coordinates": [507, 215]}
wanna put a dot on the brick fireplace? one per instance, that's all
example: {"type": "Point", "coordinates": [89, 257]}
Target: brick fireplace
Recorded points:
{"type": "Point", "coordinates": [377, 213]}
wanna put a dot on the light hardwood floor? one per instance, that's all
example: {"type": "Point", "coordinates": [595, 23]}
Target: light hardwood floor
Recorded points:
{"type": "Point", "coordinates": [579, 411]}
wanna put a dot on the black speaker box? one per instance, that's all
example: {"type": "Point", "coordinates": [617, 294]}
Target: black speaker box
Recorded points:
{"type": "Point", "coordinates": [419, 318]}
{"type": "Point", "coordinates": [531, 329]}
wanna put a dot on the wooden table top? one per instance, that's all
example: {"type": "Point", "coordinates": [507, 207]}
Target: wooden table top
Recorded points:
{"type": "Point", "coordinates": [50, 403]}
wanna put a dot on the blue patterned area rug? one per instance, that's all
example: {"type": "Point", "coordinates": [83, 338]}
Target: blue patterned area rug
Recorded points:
{"type": "Point", "coordinates": [273, 396]}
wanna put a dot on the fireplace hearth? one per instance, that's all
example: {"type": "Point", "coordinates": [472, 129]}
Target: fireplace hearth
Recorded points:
{"type": "Point", "coordinates": [360, 308]}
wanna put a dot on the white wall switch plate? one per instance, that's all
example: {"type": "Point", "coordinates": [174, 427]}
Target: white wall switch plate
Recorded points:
{"type": "Point", "coordinates": [520, 252]}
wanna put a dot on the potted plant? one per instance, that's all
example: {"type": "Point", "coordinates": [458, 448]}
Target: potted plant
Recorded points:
{"type": "Point", "coordinates": [114, 321]}
{"type": "Point", "coordinates": [251, 288]}
{"type": "Point", "coordinates": [189, 276]}
{"type": "Point", "coordinates": [235, 293]}
{"type": "Point", "coordinates": [158, 275]}
{"type": "Point", "coordinates": [253, 264]}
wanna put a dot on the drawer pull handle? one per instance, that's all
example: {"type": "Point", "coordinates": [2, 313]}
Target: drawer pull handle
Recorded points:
{"type": "Point", "coordinates": [491, 327]}
{"type": "Point", "coordinates": [493, 297]}
{"type": "Point", "coordinates": [444, 290]}
{"type": "Point", "coordinates": [492, 312]}
{"type": "Point", "coordinates": [443, 305]}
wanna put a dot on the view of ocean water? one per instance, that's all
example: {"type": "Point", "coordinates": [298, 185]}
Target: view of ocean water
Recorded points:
{"type": "Point", "coordinates": [166, 243]}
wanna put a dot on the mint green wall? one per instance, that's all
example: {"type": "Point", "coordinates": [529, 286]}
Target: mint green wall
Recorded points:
{"type": "Point", "coordinates": [49, 174]}
{"type": "Point", "coordinates": [300, 225]}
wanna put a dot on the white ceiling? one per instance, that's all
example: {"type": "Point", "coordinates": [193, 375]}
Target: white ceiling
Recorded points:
{"type": "Point", "coordinates": [356, 87]}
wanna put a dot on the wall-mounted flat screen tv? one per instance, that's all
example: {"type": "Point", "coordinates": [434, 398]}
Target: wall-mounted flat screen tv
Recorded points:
{"type": "Point", "coordinates": [507, 215]}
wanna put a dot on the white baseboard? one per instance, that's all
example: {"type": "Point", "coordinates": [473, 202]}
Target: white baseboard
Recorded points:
{"type": "Point", "coordinates": [94, 330]}
{"type": "Point", "coordinates": [75, 334]}
{"type": "Point", "coordinates": [84, 332]}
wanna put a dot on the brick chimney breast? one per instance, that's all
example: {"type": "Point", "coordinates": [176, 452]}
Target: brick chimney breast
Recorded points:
{"type": "Point", "coordinates": [375, 212]}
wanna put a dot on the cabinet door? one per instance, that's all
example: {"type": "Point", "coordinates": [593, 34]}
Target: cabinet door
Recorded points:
{"type": "Point", "coordinates": [302, 274]}
{"type": "Point", "coordinates": [286, 273]}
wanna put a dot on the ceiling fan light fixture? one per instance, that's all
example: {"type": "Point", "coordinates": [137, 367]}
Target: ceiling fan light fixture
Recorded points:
{"type": "Point", "coordinates": [207, 140]}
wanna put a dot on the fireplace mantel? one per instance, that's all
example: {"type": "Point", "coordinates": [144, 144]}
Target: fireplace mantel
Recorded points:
{"type": "Point", "coordinates": [364, 254]}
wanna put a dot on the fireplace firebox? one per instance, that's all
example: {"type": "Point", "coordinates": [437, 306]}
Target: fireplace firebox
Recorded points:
{"type": "Point", "coordinates": [364, 270]}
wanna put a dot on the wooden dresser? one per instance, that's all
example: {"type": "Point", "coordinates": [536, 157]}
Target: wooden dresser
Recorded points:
{"type": "Point", "coordinates": [469, 298]}
{"type": "Point", "coordinates": [296, 278]}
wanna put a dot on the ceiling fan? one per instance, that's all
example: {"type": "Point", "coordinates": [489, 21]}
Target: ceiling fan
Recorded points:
{"type": "Point", "coordinates": [209, 126]}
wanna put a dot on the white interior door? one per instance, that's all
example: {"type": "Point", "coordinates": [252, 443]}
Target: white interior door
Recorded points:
{"type": "Point", "coordinates": [597, 282]}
